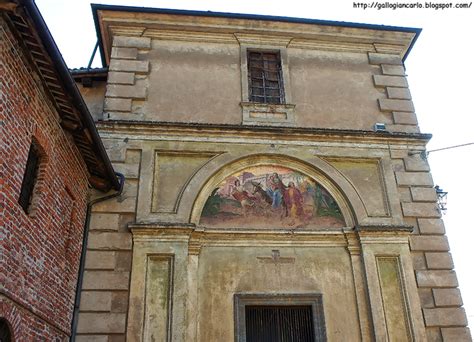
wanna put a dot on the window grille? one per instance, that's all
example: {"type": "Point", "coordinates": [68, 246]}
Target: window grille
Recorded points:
{"type": "Point", "coordinates": [265, 77]}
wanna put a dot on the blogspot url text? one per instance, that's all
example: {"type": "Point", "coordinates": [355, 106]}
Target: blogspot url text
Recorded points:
{"type": "Point", "coordinates": [411, 5]}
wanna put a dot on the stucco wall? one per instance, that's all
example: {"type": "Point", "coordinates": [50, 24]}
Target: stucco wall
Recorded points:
{"type": "Point", "coordinates": [205, 81]}
{"type": "Point", "coordinates": [94, 98]}
{"type": "Point", "coordinates": [153, 231]}
{"type": "Point", "coordinates": [334, 90]}
{"type": "Point", "coordinates": [225, 271]}
{"type": "Point", "coordinates": [194, 82]}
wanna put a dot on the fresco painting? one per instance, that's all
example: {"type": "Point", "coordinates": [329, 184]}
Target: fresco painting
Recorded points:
{"type": "Point", "coordinates": [270, 196]}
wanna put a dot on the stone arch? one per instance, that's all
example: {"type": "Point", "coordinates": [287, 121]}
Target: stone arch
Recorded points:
{"type": "Point", "coordinates": [338, 187]}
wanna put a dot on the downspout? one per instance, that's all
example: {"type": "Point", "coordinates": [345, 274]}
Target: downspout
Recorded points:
{"type": "Point", "coordinates": [80, 278]}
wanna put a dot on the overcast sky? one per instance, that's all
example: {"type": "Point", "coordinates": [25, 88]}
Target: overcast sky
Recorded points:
{"type": "Point", "coordinates": [440, 73]}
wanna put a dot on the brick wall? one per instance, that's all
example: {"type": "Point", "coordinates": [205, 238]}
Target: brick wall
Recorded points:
{"type": "Point", "coordinates": [40, 251]}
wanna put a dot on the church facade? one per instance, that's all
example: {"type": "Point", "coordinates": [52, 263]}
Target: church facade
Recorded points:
{"type": "Point", "coordinates": [275, 185]}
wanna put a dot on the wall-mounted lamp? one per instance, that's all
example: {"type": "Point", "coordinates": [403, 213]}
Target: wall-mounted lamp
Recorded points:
{"type": "Point", "coordinates": [442, 199]}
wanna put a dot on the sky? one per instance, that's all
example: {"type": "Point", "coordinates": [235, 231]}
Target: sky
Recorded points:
{"type": "Point", "coordinates": [440, 71]}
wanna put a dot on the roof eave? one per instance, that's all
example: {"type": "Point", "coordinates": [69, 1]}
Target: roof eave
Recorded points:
{"type": "Point", "coordinates": [107, 178]}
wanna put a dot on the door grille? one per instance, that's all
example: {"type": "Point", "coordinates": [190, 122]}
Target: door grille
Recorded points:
{"type": "Point", "coordinates": [283, 323]}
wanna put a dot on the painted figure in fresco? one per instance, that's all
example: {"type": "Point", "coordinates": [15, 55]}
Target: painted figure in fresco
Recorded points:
{"type": "Point", "coordinates": [294, 202]}
{"type": "Point", "coordinates": [240, 194]}
{"type": "Point", "coordinates": [276, 190]}
{"type": "Point", "coordinates": [264, 197]}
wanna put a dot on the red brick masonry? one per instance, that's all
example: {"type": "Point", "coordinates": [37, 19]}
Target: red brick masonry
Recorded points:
{"type": "Point", "coordinates": [39, 251]}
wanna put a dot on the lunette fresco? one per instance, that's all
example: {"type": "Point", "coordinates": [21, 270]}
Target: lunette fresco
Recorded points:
{"type": "Point", "coordinates": [270, 196]}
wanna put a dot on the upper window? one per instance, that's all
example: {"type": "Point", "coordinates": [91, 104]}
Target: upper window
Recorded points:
{"type": "Point", "coordinates": [265, 77]}
{"type": "Point", "coordinates": [29, 178]}
{"type": "Point", "coordinates": [265, 80]}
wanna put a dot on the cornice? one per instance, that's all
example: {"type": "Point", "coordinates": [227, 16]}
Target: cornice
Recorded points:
{"type": "Point", "coordinates": [249, 29]}
{"type": "Point", "coordinates": [159, 129]}
{"type": "Point", "coordinates": [258, 39]}
{"type": "Point", "coordinates": [385, 234]}
{"type": "Point", "coordinates": [200, 236]}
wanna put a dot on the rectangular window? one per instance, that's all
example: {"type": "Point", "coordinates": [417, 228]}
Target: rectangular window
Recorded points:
{"type": "Point", "coordinates": [265, 77]}
{"type": "Point", "coordinates": [29, 178]}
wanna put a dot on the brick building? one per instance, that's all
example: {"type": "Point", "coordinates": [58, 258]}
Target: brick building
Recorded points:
{"type": "Point", "coordinates": [50, 155]}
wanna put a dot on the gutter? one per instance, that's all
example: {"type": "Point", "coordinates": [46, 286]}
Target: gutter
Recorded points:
{"type": "Point", "coordinates": [70, 86]}
{"type": "Point", "coordinates": [82, 262]}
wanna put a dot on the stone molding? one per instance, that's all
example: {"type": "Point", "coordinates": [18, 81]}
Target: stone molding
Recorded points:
{"type": "Point", "coordinates": [294, 135]}
{"type": "Point", "coordinates": [268, 114]}
{"type": "Point", "coordinates": [265, 113]}
{"type": "Point", "coordinates": [220, 30]}
{"type": "Point", "coordinates": [376, 244]}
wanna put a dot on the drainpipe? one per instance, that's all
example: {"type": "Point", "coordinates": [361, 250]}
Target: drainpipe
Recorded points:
{"type": "Point", "coordinates": [80, 278]}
